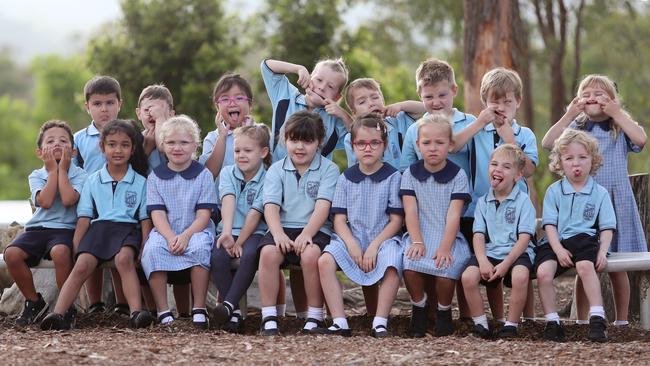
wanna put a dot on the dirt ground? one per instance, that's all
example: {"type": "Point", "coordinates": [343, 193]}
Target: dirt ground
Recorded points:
{"type": "Point", "coordinates": [105, 339]}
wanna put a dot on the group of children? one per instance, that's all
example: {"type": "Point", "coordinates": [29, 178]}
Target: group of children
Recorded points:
{"type": "Point", "coordinates": [442, 203]}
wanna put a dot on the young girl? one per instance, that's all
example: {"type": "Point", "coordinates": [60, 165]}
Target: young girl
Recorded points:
{"type": "Point", "coordinates": [298, 191]}
{"type": "Point", "coordinates": [434, 191]}
{"type": "Point", "coordinates": [597, 110]}
{"type": "Point", "coordinates": [579, 222]}
{"type": "Point", "coordinates": [241, 227]}
{"type": "Point", "coordinates": [367, 219]}
{"type": "Point", "coordinates": [111, 206]}
{"type": "Point", "coordinates": [180, 199]}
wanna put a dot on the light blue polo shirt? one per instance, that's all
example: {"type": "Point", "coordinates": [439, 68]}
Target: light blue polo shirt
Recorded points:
{"type": "Point", "coordinates": [89, 156]}
{"type": "Point", "coordinates": [127, 203]}
{"type": "Point", "coordinates": [484, 143]}
{"type": "Point", "coordinates": [155, 159]}
{"type": "Point", "coordinates": [397, 127]}
{"type": "Point", "coordinates": [586, 212]}
{"type": "Point", "coordinates": [502, 222]}
{"type": "Point", "coordinates": [411, 153]}
{"type": "Point", "coordinates": [58, 216]}
{"type": "Point", "coordinates": [209, 142]}
{"type": "Point", "coordinates": [286, 100]}
{"type": "Point", "coordinates": [296, 195]}
{"type": "Point", "coordinates": [248, 196]}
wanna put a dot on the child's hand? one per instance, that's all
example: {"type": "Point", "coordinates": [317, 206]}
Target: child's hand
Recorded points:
{"type": "Point", "coordinates": [415, 251]}
{"type": "Point", "coordinates": [443, 258]}
{"type": "Point", "coordinates": [180, 244]}
{"type": "Point", "coordinates": [392, 110]}
{"type": "Point", "coordinates": [576, 107]}
{"type": "Point", "coordinates": [149, 144]}
{"type": "Point", "coordinates": [301, 243]}
{"type": "Point", "coordinates": [355, 253]}
{"type": "Point", "coordinates": [222, 126]}
{"type": "Point", "coordinates": [610, 107]}
{"type": "Point", "coordinates": [159, 111]}
{"type": "Point", "coordinates": [601, 261]}
{"type": "Point", "coordinates": [283, 243]}
{"type": "Point", "coordinates": [486, 116]}
{"type": "Point", "coordinates": [226, 241]}
{"type": "Point", "coordinates": [499, 271]}
{"type": "Point", "coordinates": [304, 78]}
{"type": "Point", "coordinates": [332, 108]}
{"type": "Point", "coordinates": [564, 258]}
{"type": "Point", "coordinates": [236, 250]}
{"type": "Point", "coordinates": [248, 121]}
{"type": "Point", "coordinates": [48, 159]}
{"type": "Point", "coordinates": [505, 131]}
{"type": "Point", "coordinates": [370, 258]}
{"type": "Point", "coordinates": [486, 269]}
{"type": "Point", "coordinates": [66, 159]}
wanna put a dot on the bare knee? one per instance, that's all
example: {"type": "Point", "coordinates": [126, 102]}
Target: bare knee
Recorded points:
{"type": "Point", "coordinates": [270, 256]}
{"type": "Point", "coordinates": [585, 268]}
{"type": "Point", "coordinates": [326, 263]}
{"type": "Point", "coordinates": [124, 260]}
{"type": "Point", "coordinates": [390, 273]}
{"type": "Point", "coordinates": [15, 256]}
{"type": "Point", "coordinates": [471, 277]}
{"type": "Point", "coordinates": [545, 276]}
{"type": "Point", "coordinates": [519, 276]}
{"type": "Point", "coordinates": [61, 255]}
{"type": "Point", "coordinates": [309, 258]}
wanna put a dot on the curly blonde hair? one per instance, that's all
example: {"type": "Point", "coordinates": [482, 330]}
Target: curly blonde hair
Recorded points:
{"type": "Point", "coordinates": [180, 123]}
{"type": "Point", "coordinates": [570, 136]}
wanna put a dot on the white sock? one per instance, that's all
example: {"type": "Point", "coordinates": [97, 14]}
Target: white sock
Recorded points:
{"type": "Point", "coordinates": [377, 321]}
{"type": "Point", "coordinates": [597, 311]}
{"type": "Point", "coordinates": [481, 320]}
{"type": "Point", "coordinates": [301, 315]}
{"type": "Point", "coordinates": [199, 317]}
{"type": "Point", "coordinates": [313, 313]}
{"type": "Point", "coordinates": [234, 318]}
{"type": "Point", "coordinates": [582, 322]}
{"type": "Point", "coordinates": [341, 322]}
{"type": "Point", "coordinates": [281, 309]}
{"type": "Point", "coordinates": [166, 320]}
{"type": "Point", "coordinates": [511, 324]}
{"type": "Point", "coordinates": [501, 320]}
{"type": "Point", "coordinates": [552, 317]}
{"type": "Point", "coordinates": [422, 303]}
{"type": "Point", "coordinates": [270, 311]}
{"type": "Point", "coordinates": [444, 307]}
{"type": "Point", "coordinates": [621, 322]}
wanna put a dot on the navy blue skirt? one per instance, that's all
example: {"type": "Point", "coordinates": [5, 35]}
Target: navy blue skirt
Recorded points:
{"type": "Point", "coordinates": [104, 239]}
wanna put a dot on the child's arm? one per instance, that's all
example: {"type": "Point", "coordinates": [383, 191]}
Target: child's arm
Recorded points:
{"type": "Point", "coordinates": [227, 217]}
{"type": "Point", "coordinates": [250, 225]}
{"type": "Point", "coordinates": [200, 222]}
{"type": "Point", "coordinates": [83, 223]}
{"type": "Point", "coordinates": [342, 229]}
{"type": "Point", "coordinates": [161, 223]}
{"type": "Point", "coordinates": [45, 197]}
{"type": "Point", "coordinates": [632, 129]}
{"type": "Point", "coordinates": [334, 109]}
{"type": "Point", "coordinates": [145, 227]}
{"type": "Point", "coordinates": [272, 217]}
{"type": "Point", "coordinates": [413, 108]}
{"type": "Point", "coordinates": [563, 255]}
{"type": "Point", "coordinates": [501, 269]}
{"type": "Point", "coordinates": [392, 228]}
{"type": "Point", "coordinates": [463, 136]}
{"type": "Point", "coordinates": [574, 109]}
{"type": "Point", "coordinates": [417, 248]}
{"type": "Point", "coordinates": [69, 195]}
{"type": "Point", "coordinates": [214, 163]}
{"type": "Point", "coordinates": [282, 67]}
{"type": "Point", "coordinates": [605, 239]}
{"type": "Point", "coordinates": [484, 265]}
{"type": "Point", "coordinates": [315, 223]}
{"type": "Point", "coordinates": [452, 224]}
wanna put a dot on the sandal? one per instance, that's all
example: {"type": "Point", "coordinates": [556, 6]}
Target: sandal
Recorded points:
{"type": "Point", "coordinates": [269, 332]}
{"type": "Point", "coordinates": [201, 325]}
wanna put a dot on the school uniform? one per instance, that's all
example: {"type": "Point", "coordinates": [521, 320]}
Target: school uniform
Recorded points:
{"type": "Point", "coordinates": [434, 193]}
{"type": "Point", "coordinates": [115, 209]}
{"type": "Point", "coordinates": [248, 196]}
{"type": "Point", "coordinates": [89, 156]}
{"type": "Point", "coordinates": [180, 195]}
{"type": "Point", "coordinates": [156, 158]}
{"type": "Point", "coordinates": [367, 201]}
{"type": "Point", "coordinates": [483, 144]}
{"type": "Point", "coordinates": [286, 100]}
{"type": "Point", "coordinates": [397, 127]}
{"type": "Point", "coordinates": [501, 223]}
{"type": "Point", "coordinates": [51, 226]}
{"type": "Point", "coordinates": [578, 217]}
{"type": "Point", "coordinates": [296, 196]}
{"type": "Point", "coordinates": [613, 175]}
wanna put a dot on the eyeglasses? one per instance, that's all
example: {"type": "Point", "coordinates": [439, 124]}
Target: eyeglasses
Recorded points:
{"type": "Point", "coordinates": [238, 99]}
{"type": "Point", "coordinates": [182, 144]}
{"type": "Point", "coordinates": [363, 144]}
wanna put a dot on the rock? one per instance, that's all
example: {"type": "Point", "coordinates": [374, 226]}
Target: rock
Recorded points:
{"type": "Point", "coordinates": [6, 237]}
{"type": "Point", "coordinates": [12, 299]}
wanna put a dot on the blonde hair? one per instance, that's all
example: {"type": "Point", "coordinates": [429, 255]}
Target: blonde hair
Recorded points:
{"type": "Point", "coordinates": [498, 82]}
{"type": "Point", "coordinates": [363, 83]}
{"type": "Point", "coordinates": [260, 134]}
{"type": "Point", "coordinates": [605, 83]}
{"type": "Point", "coordinates": [436, 119]}
{"type": "Point", "coordinates": [180, 123]}
{"type": "Point", "coordinates": [336, 65]}
{"type": "Point", "coordinates": [570, 136]}
{"type": "Point", "coordinates": [513, 151]}
{"type": "Point", "coordinates": [433, 71]}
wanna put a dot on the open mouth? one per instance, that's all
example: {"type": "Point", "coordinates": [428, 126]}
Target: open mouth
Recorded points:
{"type": "Point", "coordinates": [377, 111]}
{"type": "Point", "coordinates": [495, 180]}
{"type": "Point", "coordinates": [234, 115]}
{"type": "Point", "coordinates": [589, 102]}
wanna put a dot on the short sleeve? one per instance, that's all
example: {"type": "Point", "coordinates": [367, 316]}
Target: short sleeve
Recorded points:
{"type": "Point", "coordinates": [208, 196]}
{"type": "Point", "coordinates": [409, 150]}
{"type": "Point", "coordinates": [142, 211]}
{"type": "Point", "coordinates": [85, 207]}
{"type": "Point", "coordinates": [528, 144]}
{"type": "Point", "coordinates": [349, 151]}
{"type": "Point", "coordinates": [277, 86]}
{"type": "Point", "coordinates": [404, 122]}
{"type": "Point", "coordinates": [328, 182]}
{"type": "Point", "coordinates": [208, 146]}
{"type": "Point", "coordinates": [406, 187]}
{"type": "Point", "coordinates": [258, 201]}
{"type": "Point", "coordinates": [394, 202]}
{"type": "Point", "coordinates": [460, 189]}
{"type": "Point", "coordinates": [78, 179]}
{"type": "Point", "coordinates": [155, 201]}
{"type": "Point", "coordinates": [480, 225]}
{"type": "Point", "coordinates": [527, 218]}
{"type": "Point", "coordinates": [36, 183]}
{"type": "Point", "coordinates": [340, 204]}
{"type": "Point", "coordinates": [226, 182]}
{"type": "Point", "coordinates": [550, 211]}
{"type": "Point", "coordinates": [606, 213]}
{"type": "Point", "coordinates": [631, 146]}
{"type": "Point", "coordinates": [273, 184]}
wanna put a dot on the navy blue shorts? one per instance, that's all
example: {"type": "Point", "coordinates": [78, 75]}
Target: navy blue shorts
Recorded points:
{"type": "Point", "coordinates": [37, 242]}
{"type": "Point", "coordinates": [523, 260]}
{"type": "Point", "coordinates": [466, 228]}
{"type": "Point", "coordinates": [104, 239]}
{"type": "Point", "coordinates": [583, 247]}
{"type": "Point", "coordinates": [292, 259]}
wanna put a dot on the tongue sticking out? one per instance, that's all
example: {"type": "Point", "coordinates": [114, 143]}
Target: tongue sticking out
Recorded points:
{"type": "Point", "coordinates": [234, 116]}
{"type": "Point", "coordinates": [494, 182]}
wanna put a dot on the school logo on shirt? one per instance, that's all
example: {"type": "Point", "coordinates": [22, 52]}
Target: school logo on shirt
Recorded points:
{"type": "Point", "coordinates": [250, 196]}
{"type": "Point", "coordinates": [511, 215]}
{"type": "Point", "coordinates": [130, 199]}
{"type": "Point", "coordinates": [589, 212]}
{"type": "Point", "coordinates": [312, 189]}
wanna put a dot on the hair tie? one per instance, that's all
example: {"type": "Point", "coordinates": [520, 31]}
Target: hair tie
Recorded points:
{"type": "Point", "coordinates": [378, 128]}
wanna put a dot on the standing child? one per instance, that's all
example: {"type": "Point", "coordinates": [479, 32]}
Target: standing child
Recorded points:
{"type": "Point", "coordinates": [180, 200]}
{"type": "Point", "coordinates": [111, 206]}
{"type": "Point", "coordinates": [241, 227]}
{"type": "Point", "coordinates": [434, 191]}
{"type": "Point", "coordinates": [597, 110]}
{"type": "Point", "coordinates": [367, 220]}
{"type": "Point", "coordinates": [298, 191]}
{"type": "Point", "coordinates": [48, 234]}
{"type": "Point", "coordinates": [504, 225]}
{"type": "Point", "coordinates": [579, 222]}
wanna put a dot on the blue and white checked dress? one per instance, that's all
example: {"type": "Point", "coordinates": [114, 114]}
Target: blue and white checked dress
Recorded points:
{"type": "Point", "coordinates": [434, 192]}
{"type": "Point", "coordinates": [368, 201]}
{"type": "Point", "coordinates": [613, 175]}
{"type": "Point", "coordinates": [180, 194]}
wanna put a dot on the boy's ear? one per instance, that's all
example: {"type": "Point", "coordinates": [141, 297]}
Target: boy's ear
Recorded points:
{"type": "Point", "coordinates": [137, 113]}
{"type": "Point", "coordinates": [73, 152]}
{"type": "Point", "coordinates": [265, 151]}
{"type": "Point", "coordinates": [454, 90]}
{"type": "Point", "coordinates": [172, 113]}
{"type": "Point", "coordinates": [39, 153]}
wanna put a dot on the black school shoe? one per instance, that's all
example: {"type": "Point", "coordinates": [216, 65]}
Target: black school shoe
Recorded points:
{"type": "Point", "coordinates": [70, 317]}
{"type": "Point", "coordinates": [96, 308]}
{"type": "Point", "coordinates": [481, 332]}
{"type": "Point", "coordinates": [54, 321]}
{"type": "Point", "coordinates": [597, 329]}
{"type": "Point", "coordinates": [379, 331]}
{"type": "Point", "coordinates": [444, 325]}
{"type": "Point", "coordinates": [554, 331]}
{"type": "Point", "coordinates": [269, 332]}
{"type": "Point", "coordinates": [336, 331]}
{"type": "Point", "coordinates": [508, 331]}
{"type": "Point", "coordinates": [140, 319]}
{"type": "Point", "coordinates": [201, 325]}
{"type": "Point", "coordinates": [121, 309]}
{"type": "Point", "coordinates": [222, 313]}
{"type": "Point", "coordinates": [234, 326]}
{"type": "Point", "coordinates": [419, 321]}
{"type": "Point", "coordinates": [33, 311]}
{"type": "Point", "coordinates": [319, 324]}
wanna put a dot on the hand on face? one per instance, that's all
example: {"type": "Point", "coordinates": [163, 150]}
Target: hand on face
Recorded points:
{"type": "Point", "coordinates": [610, 107]}
{"type": "Point", "coordinates": [576, 107]}
{"type": "Point", "coordinates": [66, 158]}
{"type": "Point", "coordinates": [47, 155]}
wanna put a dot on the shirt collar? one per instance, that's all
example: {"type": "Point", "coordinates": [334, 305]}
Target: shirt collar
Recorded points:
{"type": "Point", "coordinates": [92, 129]}
{"type": "Point", "coordinates": [105, 176]}
{"type": "Point", "coordinates": [567, 188]}
{"type": "Point", "coordinates": [354, 174]}
{"type": "Point", "coordinates": [287, 164]}
{"type": "Point", "coordinates": [444, 175]}
{"type": "Point", "coordinates": [162, 171]}
{"type": "Point", "coordinates": [240, 176]}
{"type": "Point", "coordinates": [605, 125]}
{"type": "Point", "coordinates": [511, 196]}
{"type": "Point", "coordinates": [516, 128]}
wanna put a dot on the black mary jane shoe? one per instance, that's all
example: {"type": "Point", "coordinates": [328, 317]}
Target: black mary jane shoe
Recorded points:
{"type": "Point", "coordinates": [328, 331]}
{"type": "Point", "coordinates": [269, 332]}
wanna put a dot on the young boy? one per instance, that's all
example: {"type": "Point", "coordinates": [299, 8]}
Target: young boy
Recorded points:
{"type": "Point", "coordinates": [364, 96]}
{"type": "Point", "coordinates": [48, 234]}
{"type": "Point", "coordinates": [504, 223]}
{"type": "Point", "coordinates": [155, 106]}
{"type": "Point", "coordinates": [579, 222]}
{"type": "Point", "coordinates": [103, 102]}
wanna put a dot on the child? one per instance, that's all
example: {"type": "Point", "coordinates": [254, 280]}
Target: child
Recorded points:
{"type": "Point", "coordinates": [298, 191]}
{"type": "Point", "coordinates": [579, 222]}
{"type": "Point", "coordinates": [180, 200]}
{"type": "Point", "coordinates": [434, 192]}
{"type": "Point", "coordinates": [241, 227]}
{"type": "Point", "coordinates": [367, 220]}
{"type": "Point", "coordinates": [155, 106]}
{"type": "Point", "coordinates": [48, 234]}
{"type": "Point", "coordinates": [103, 102]}
{"type": "Point", "coordinates": [364, 96]}
{"type": "Point", "coordinates": [322, 91]}
{"type": "Point", "coordinates": [504, 225]}
{"type": "Point", "coordinates": [111, 205]}
{"type": "Point", "coordinates": [597, 110]}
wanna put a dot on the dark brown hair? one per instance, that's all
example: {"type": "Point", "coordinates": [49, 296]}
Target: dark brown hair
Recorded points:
{"type": "Point", "coordinates": [102, 85]}
{"type": "Point", "coordinates": [372, 121]}
{"type": "Point", "coordinates": [157, 91]}
{"type": "Point", "coordinates": [304, 126]}
{"type": "Point", "coordinates": [227, 81]}
{"type": "Point", "coordinates": [52, 124]}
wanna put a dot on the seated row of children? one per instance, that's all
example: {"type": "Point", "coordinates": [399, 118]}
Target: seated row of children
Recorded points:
{"type": "Point", "coordinates": [280, 216]}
